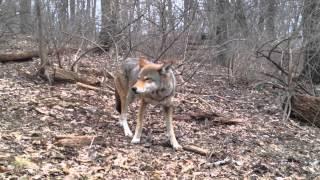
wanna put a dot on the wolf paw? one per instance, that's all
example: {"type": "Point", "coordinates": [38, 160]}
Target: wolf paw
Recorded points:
{"type": "Point", "coordinates": [177, 147]}
{"type": "Point", "coordinates": [135, 141]}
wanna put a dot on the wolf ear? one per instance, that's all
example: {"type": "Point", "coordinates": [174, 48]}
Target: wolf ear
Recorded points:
{"type": "Point", "coordinates": [165, 68]}
{"type": "Point", "coordinates": [142, 62]}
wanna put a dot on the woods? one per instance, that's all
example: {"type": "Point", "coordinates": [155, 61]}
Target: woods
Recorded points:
{"type": "Point", "coordinates": [246, 102]}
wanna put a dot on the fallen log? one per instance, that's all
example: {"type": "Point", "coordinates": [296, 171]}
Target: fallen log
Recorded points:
{"type": "Point", "coordinates": [306, 108]}
{"type": "Point", "coordinates": [18, 56]}
{"type": "Point", "coordinates": [78, 141]}
{"type": "Point", "coordinates": [22, 56]}
{"type": "Point", "coordinates": [59, 74]}
{"type": "Point", "coordinates": [214, 117]}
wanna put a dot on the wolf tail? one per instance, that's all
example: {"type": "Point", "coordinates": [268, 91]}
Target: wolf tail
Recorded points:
{"type": "Point", "coordinates": [118, 101]}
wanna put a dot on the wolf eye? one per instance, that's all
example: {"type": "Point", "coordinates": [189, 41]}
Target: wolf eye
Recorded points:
{"type": "Point", "coordinates": [147, 79]}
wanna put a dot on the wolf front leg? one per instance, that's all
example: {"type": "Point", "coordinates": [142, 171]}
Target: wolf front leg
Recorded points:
{"type": "Point", "coordinates": [124, 114]}
{"type": "Point", "coordinates": [138, 131]}
{"type": "Point", "coordinates": [170, 132]}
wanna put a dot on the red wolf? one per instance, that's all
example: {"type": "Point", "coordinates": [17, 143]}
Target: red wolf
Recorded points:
{"type": "Point", "coordinates": [152, 84]}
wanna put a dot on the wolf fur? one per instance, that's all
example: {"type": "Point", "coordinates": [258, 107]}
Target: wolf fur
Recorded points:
{"type": "Point", "coordinates": [152, 84]}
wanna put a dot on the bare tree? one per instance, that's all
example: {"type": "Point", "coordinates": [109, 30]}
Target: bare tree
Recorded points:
{"type": "Point", "coordinates": [187, 11]}
{"type": "Point", "coordinates": [25, 16]}
{"type": "Point", "coordinates": [109, 22]}
{"type": "Point", "coordinates": [43, 51]}
{"type": "Point", "coordinates": [270, 18]}
{"type": "Point", "coordinates": [261, 8]}
{"type": "Point", "coordinates": [222, 31]}
{"type": "Point", "coordinates": [63, 14]}
{"type": "Point", "coordinates": [311, 30]}
{"type": "Point", "coordinates": [210, 9]}
{"type": "Point", "coordinates": [72, 10]}
{"type": "Point", "coordinates": [241, 17]}
{"type": "Point", "coordinates": [171, 17]}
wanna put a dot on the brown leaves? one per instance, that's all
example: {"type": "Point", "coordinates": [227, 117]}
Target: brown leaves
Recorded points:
{"type": "Point", "coordinates": [73, 133]}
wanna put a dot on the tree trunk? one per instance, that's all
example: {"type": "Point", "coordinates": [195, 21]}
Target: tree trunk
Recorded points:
{"type": "Point", "coordinates": [63, 14]}
{"type": "Point", "coordinates": [72, 10]}
{"type": "Point", "coordinates": [211, 20]}
{"type": "Point", "coordinates": [149, 15]}
{"type": "Point", "coordinates": [187, 12]}
{"type": "Point", "coordinates": [109, 22]}
{"type": "Point", "coordinates": [138, 10]}
{"type": "Point", "coordinates": [94, 6]}
{"type": "Point", "coordinates": [261, 6]}
{"type": "Point", "coordinates": [270, 14]}
{"type": "Point", "coordinates": [163, 25]}
{"type": "Point", "coordinates": [43, 50]}
{"type": "Point", "coordinates": [306, 109]}
{"type": "Point", "coordinates": [221, 31]}
{"type": "Point", "coordinates": [171, 17]}
{"type": "Point", "coordinates": [20, 56]}
{"type": "Point", "coordinates": [241, 17]}
{"type": "Point", "coordinates": [25, 16]}
{"type": "Point", "coordinates": [43, 47]}
{"type": "Point", "coordinates": [311, 38]}
{"type": "Point", "coordinates": [88, 9]}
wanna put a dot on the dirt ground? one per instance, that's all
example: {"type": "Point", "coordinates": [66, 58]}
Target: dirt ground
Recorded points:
{"type": "Point", "coordinates": [259, 145]}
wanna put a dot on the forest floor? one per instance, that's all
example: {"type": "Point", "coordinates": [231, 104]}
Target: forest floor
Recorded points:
{"type": "Point", "coordinates": [36, 121]}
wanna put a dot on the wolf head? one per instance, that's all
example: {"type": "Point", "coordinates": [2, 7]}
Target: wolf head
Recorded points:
{"type": "Point", "coordinates": [151, 76]}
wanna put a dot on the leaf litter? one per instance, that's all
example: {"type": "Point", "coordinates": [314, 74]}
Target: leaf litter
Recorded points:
{"type": "Point", "coordinates": [240, 127]}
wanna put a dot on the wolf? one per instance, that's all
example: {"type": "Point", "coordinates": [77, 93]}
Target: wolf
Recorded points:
{"type": "Point", "coordinates": [151, 83]}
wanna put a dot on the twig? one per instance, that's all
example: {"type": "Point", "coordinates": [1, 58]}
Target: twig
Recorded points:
{"type": "Point", "coordinates": [73, 67]}
{"type": "Point", "coordinates": [109, 87]}
{"type": "Point", "coordinates": [195, 149]}
{"type": "Point", "coordinates": [205, 102]}
{"type": "Point", "coordinates": [94, 88]}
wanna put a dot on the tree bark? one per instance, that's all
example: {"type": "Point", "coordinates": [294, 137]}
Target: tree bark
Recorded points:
{"type": "Point", "coordinates": [306, 109]}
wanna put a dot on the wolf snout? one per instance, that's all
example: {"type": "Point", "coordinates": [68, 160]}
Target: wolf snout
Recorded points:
{"type": "Point", "coordinates": [134, 89]}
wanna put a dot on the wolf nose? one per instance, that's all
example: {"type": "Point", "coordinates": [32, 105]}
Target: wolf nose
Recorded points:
{"type": "Point", "coordinates": [134, 89]}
